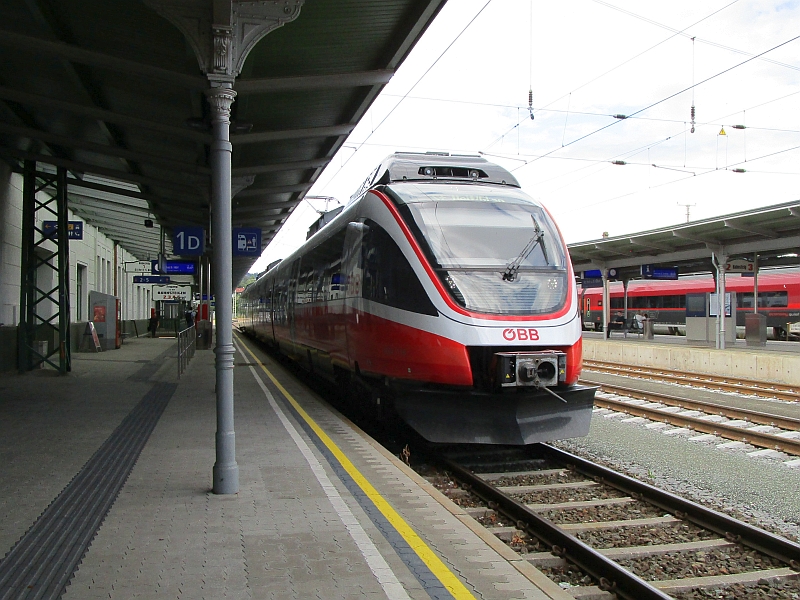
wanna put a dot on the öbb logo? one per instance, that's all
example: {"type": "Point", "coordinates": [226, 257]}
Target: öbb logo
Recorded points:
{"type": "Point", "coordinates": [521, 334]}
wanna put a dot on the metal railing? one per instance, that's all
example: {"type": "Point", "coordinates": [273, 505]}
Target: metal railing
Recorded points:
{"type": "Point", "coordinates": [187, 342]}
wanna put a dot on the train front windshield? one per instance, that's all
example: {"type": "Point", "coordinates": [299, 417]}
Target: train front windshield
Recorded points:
{"type": "Point", "coordinates": [495, 249]}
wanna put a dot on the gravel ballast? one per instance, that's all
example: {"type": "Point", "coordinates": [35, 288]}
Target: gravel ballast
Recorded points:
{"type": "Point", "coordinates": [759, 490]}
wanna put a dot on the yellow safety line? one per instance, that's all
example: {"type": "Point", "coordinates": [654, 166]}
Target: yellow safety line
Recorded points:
{"type": "Point", "coordinates": [433, 562]}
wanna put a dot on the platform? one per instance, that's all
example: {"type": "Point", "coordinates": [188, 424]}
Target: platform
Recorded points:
{"type": "Point", "coordinates": [322, 512]}
{"type": "Point", "coordinates": [778, 362]}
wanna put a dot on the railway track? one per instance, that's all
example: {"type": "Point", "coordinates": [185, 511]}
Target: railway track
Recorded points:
{"type": "Point", "coordinates": [600, 534]}
{"type": "Point", "coordinates": [759, 429]}
{"type": "Point", "coordinates": [743, 386]}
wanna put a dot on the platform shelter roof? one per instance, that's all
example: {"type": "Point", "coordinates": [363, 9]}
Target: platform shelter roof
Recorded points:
{"type": "Point", "coordinates": [114, 92]}
{"type": "Point", "coordinates": [771, 232]}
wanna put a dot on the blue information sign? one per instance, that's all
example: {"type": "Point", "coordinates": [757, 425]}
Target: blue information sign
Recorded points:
{"type": "Point", "coordinates": [175, 267]}
{"type": "Point", "coordinates": [160, 279]}
{"type": "Point", "coordinates": [652, 272]}
{"type": "Point", "coordinates": [74, 230]}
{"type": "Point", "coordinates": [247, 241]}
{"type": "Point", "coordinates": [594, 273]}
{"type": "Point", "coordinates": [188, 241]}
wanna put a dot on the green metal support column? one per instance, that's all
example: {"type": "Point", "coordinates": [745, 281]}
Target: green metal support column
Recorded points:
{"type": "Point", "coordinates": [64, 313]}
{"type": "Point", "coordinates": [27, 280]}
{"type": "Point", "coordinates": [44, 311]}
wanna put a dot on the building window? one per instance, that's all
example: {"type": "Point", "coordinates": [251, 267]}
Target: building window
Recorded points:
{"type": "Point", "coordinates": [80, 290]}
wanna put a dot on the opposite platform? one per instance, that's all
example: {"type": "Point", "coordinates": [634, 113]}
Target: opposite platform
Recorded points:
{"type": "Point", "coordinates": [322, 512]}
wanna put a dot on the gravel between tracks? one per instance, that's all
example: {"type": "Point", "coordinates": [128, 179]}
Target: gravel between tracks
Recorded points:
{"type": "Point", "coordinates": [765, 590]}
{"type": "Point", "coordinates": [568, 495]}
{"type": "Point", "coordinates": [614, 512]}
{"type": "Point", "coordinates": [564, 476]}
{"type": "Point", "coordinates": [645, 535]}
{"type": "Point", "coordinates": [760, 491]}
{"type": "Point", "coordinates": [680, 565]}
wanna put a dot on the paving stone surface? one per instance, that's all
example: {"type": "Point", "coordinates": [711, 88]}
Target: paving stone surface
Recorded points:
{"type": "Point", "coordinates": [168, 536]}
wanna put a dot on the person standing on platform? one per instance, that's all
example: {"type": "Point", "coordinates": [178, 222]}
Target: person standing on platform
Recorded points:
{"type": "Point", "coordinates": [153, 322]}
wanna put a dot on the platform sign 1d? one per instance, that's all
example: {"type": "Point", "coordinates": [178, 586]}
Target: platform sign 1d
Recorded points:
{"type": "Point", "coordinates": [188, 241]}
{"type": "Point", "coordinates": [247, 241]}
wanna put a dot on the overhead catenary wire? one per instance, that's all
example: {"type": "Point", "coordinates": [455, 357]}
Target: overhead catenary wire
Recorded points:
{"type": "Point", "coordinates": [649, 106]}
{"type": "Point", "coordinates": [408, 96]}
{"type": "Point", "coordinates": [716, 122]}
{"type": "Point", "coordinates": [701, 40]}
{"type": "Point", "coordinates": [693, 175]}
{"type": "Point", "coordinates": [635, 151]}
{"type": "Point", "coordinates": [530, 65]}
{"type": "Point", "coordinates": [625, 62]}
{"type": "Point", "coordinates": [416, 83]}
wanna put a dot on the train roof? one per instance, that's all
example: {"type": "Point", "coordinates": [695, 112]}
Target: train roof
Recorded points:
{"type": "Point", "coordinates": [435, 166]}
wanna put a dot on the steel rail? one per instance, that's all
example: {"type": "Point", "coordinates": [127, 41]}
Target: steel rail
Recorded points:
{"type": "Point", "coordinates": [755, 438]}
{"type": "Point", "coordinates": [754, 416]}
{"type": "Point", "coordinates": [612, 577]}
{"type": "Point", "coordinates": [725, 525]}
{"type": "Point", "coordinates": [744, 386]}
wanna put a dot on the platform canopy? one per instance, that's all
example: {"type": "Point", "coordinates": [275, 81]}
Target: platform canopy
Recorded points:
{"type": "Point", "coordinates": [772, 232]}
{"type": "Point", "coordinates": [113, 91]}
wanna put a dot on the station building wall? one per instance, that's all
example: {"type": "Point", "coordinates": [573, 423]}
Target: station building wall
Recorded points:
{"type": "Point", "coordinates": [96, 263]}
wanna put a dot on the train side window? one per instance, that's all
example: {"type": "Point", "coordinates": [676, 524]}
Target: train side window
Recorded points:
{"type": "Point", "coordinates": [773, 299]}
{"type": "Point", "coordinates": [332, 265]}
{"type": "Point", "coordinates": [745, 300]}
{"type": "Point", "coordinates": [673, 301]}
{"type": "Point", "coordinates": [305, 282]}
{"type": "Point", "coordinates": [388, 277]}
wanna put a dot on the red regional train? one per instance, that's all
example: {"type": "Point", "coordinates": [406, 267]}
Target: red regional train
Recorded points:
{"type": "Point", "coordinates": [665, 301]}
{"type": "Point", "coordinates": [443, 290]}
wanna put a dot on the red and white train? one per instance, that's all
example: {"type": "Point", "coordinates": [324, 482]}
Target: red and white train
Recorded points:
{"type": "Point", "coordinates": [664, 302]}
{"type": "Point", "coordinates": [444, 290]}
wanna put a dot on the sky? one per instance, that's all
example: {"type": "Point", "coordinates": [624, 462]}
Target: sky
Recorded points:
{"type": "Point", "coordinates": [465, 88]}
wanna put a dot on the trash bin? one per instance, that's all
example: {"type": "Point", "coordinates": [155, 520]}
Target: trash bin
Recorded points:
{"type": "Point", "coordinates": [647, 325]}
{"type": "Point", "coordinates": [755, 329]}
{"type": "Point", "coordinates": [203, 329]}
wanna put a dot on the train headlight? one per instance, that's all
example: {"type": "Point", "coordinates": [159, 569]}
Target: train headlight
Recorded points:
{"type": "Point", "coordinates": [552, 284]}
{"type": "Point", "coordinates": [428, 171]}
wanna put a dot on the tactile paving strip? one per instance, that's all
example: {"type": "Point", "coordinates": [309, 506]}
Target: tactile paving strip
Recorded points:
{"type": "Point", "coordinates": [42, 562]}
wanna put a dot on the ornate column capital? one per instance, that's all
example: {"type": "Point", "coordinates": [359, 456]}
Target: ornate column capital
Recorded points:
{"type": "Point", "coordinates": [220, 99]}
{"type": "Point", "coordinates": [222, 39]}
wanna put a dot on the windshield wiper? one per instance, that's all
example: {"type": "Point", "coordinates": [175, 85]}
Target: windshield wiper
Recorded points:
{"type": "Point", "coordinates": [510, 273]}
